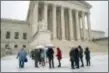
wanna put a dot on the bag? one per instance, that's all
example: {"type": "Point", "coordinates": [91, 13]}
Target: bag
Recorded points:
{"type": "Point", "coordinates": [26, 60]}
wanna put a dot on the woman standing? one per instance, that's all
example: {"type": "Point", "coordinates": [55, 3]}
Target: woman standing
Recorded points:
{"type": "Point", "coordinates": [22, 56]}
{"type": "Point", "coordinates": [87, 55]}
{"type": "Point", "coordinates": [43, 54]}
{"type": "Point", "coordinates": [59, 56]}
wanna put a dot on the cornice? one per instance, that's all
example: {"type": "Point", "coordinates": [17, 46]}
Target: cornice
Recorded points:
{"type": "Point", "coordinates": [5, 20]}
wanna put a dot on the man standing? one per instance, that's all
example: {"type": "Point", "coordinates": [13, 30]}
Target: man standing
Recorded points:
{"type": "Point", "coordinates": [81, 55]}
{"type": "Point", "coordinates": [36, 57]}
{"type": "Point", "coordinates": [50, 56]}
{"type": "Point", "coordinates": [72, 54]}
{"type": "Point", "coordinates": [76, 55]}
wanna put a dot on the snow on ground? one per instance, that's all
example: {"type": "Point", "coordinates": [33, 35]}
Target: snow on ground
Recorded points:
{"type": "Point", "coordinates": [99, 63]}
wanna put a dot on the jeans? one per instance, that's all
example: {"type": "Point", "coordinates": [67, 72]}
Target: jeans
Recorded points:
{"type": "Point", "coordinates": [82, 63]}
{"type": "Point", "coordinates": [21, 63]}
{"type": "Point", "coordinates": [88, 62]}
{"type": "Point", "coordinates": [51, 63]}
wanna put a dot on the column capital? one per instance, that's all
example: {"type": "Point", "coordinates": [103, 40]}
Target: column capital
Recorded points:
{"type": "Point", "coordinates": [76, 10]}
{"type": "Point", "coordinates": [88, 13]}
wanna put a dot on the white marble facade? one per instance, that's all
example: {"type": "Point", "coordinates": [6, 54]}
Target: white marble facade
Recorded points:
{"type": "Point", "coordinates": [62, 18]}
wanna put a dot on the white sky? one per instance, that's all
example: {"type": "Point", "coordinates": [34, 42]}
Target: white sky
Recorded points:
{"type": "Point", "coordinates": [19, 10]}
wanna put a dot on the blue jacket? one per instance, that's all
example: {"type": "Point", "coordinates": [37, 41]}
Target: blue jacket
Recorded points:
{"type": "Point", "coordinates": [21, 55]}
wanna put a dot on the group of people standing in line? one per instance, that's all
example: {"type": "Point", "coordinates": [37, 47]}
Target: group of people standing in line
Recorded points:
{"type": "Point", "coordinates": [41, 56]}
{"type": "Point", "coordinates": [76, 56]}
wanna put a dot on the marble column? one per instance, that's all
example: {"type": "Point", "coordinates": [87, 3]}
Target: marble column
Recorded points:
{"type": "Point", "coordinates": [71, 25]}
{"type": "Point", "coordinates": [77, 25]}
{"type": "Point", "coordinates": [83, 25]}
{"type": "Point", "coordinates": [89, 25]}
{"type": "Point", "coordinates": [63, 23]}
{"type": "Point", "coordinates": [35, 19]}
{"type": "Point", "coordinates": [45, 15]}
{"type": "Point", "coordinates": [54, 22]}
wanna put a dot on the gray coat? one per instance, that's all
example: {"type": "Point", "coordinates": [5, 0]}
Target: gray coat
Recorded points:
{"type": "Point", "coordinates": [36, 54]}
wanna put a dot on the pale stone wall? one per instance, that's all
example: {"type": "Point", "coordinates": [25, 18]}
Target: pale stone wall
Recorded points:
{"type": "Point", "coordinates": [97, 34]}
{"type": "Point", "coordinates": [94, 34]}
{"type": "Point", "coordinates": [102, 41]}
{"type": "Point", "coordinates": [14, 26]}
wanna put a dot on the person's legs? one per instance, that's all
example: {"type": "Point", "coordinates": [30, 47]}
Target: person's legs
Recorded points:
{"type": "Point", "coordinates": [19, 63]}
{"type": "Point", "coordinates": [36, 63]}
{"type": "Point", "coordinates": [43, 63]}
{"type": "Point", "coordinates": [49, 62]}
{"type": "Point", "coordinates": [72, 64]}
{"type": "Point", "coordinates": [77, 63]}
{"type": "Point", "coordinates": [23, 64]}
{"type": "Point", "coordinates": [82, 62]}
{"type": "Point", "coordinates": [86, 62]}
{"type": "Point", "coordinates": [52, 63]}
{"type": "Point", "coordinates": [59, 63]}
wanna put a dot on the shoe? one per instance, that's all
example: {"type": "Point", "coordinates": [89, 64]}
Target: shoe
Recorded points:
{"type": "Point", "coordinates": [73, 68]}
{"type": "Point", "coordinates": [82, 65]}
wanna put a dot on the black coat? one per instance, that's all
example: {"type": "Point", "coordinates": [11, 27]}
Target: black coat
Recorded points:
{"type": "Point", "coordinates": [36, 54]}
{"type": "Point", "coordinates": [72, 54]}
{"type": "Point", "coordinates": [76, 55]}
{"type": "Point", "coordinates": [87, 54]}
{"type": "Point", "coordinates": [81, 52]}
{"type": "Point", "coordinates": [50, 53]}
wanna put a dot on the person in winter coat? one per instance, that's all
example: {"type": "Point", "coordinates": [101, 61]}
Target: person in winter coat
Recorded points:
{"type": "Point", "coordinates": [36, 57]}
{"type": "Point", "coordinates": [76, 57]}
{"type": "Point", "coordinates": [43, 55]}
{"type": "Point", "coordinates": [22, 56]}
{"type": "Point", "coordinates": [81, 55]}
{"type": "Point", "coordinates": [50, 55]}
{"type": "Point", "coordinates": [72, 58]}
{"type": "Point", "coordinates": [31, 54]}
{"type": "Point", "coordinates": [87, 56]}
{"type": "Point", "coordinates": [59, 56]}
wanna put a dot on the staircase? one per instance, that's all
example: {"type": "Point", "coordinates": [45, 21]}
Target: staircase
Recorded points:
{"type": "Point", "coordinates": [65, 46]}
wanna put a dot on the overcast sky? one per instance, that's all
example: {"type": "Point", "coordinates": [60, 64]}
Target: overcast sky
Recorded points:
{"type": "Point", "coordinates": [19, 10]}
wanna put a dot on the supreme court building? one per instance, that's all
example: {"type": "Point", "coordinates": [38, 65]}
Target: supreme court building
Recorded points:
{"type": "Point", "coordinates": [66, 21]}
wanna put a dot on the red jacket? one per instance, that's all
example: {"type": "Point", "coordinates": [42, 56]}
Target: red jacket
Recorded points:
{"type": "Point", "coordinates": [59, 54]}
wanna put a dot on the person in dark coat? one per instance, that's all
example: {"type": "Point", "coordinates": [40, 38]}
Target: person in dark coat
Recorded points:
{"type": "Point", "coordinates": [87, 56]}
{"type": "Point", "coordinates": [50, 53]}
{"type": "Point", "coordinates": [36, 57]}
{"type": "Point", "coordinates": [76, 57]}
{"type": "Point", "coordinates": [22, 56]}
{"type": "Point", "coordinates": [40, 60]}
{"type": "Point", "coordinates": [71, 54]}
{"type": "Point", "coordinates": [81, 55]}
{"type": "Point", "coordinates": [59, 56]}
{"type": "Point", "coordinates": [31, 54]}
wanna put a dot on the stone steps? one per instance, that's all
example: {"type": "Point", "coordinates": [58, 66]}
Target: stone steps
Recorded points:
{"type": "Point", "coordinates": [65, 46]}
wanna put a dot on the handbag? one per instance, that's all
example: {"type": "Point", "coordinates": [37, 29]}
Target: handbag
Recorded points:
{"type": "Point", "coordinates": [26, 60]}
